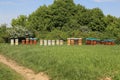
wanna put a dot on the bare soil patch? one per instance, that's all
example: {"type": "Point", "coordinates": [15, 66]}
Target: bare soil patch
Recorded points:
{"type": "Point", "coordinates": [28, 74]}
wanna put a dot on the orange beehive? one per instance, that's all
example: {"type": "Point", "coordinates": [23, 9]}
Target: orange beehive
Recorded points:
{"type": "Point", "coordinates": [74, 41]}
{"type": "Point", "coordinates": [27, 41]}
{"type": "Point", "coordinates": [34, 41]}
{"type": "Point", "coordinates": [23, 42]}
{"type": "Point", "coordinates": [31, 41]}
{"type": "Point", "coordinates": [68, 41]}
{"type": "Point", "coordinates": [80, 41]}
{"type": "Point", "coordinates": [94, 42]}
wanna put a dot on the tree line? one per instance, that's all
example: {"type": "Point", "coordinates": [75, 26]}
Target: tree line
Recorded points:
{"type": "Point", "coordinates": [64, 19]}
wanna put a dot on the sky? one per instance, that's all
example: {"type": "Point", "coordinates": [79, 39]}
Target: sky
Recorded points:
{"type": "Point", "coordinates": [10, 9]}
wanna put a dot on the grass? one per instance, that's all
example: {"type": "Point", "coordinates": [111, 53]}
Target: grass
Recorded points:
{"type": "Point", "coordinates": [68, 62]}
{"type": "Point", "coordinates": [7, 74]}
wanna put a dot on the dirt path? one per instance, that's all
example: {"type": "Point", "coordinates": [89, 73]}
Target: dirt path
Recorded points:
{"type": "Point", "coordinates": [25, 72]}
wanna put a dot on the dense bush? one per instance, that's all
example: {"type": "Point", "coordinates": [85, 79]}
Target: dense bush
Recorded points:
{"type": "Point", "coordinates": [3, 33]}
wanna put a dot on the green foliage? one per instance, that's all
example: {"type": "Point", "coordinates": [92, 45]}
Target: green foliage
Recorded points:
{"type": "Point", "coordinates": [3, 33]}
{"type": "Point", "coordinates": [57, 34]}
{"type": "Point", "coordinates": [18, 31]}
{"type": "Point", "coordinates": [68, 62]}
{"type": "Point", "coordinates": [19, 21]}
{"type": "Point", "coordinates": [7, 74]}
{"type": "Point", "coordinates": [68, 17]}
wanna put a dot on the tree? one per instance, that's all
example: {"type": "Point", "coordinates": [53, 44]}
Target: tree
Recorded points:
{"type": "Point", "coordinates": [112, 25]}
{"type": "Point", "coordinates": [69, 19]}
{"type": "Point", "coordinates": [97, 20]}
{"type": "Point", "coordinates": [62, 12]}
{"type": "Point", "coordinates": [3, 33]}
{"type": "Point", "coordinates": [18, 31]}
{"type": "Point", "coordinates": [20, 21]}
{"type": "Point", "coordinates": [40, 19]}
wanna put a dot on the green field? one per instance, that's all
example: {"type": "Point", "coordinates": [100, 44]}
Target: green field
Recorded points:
{"type": "Point", "coordinates": [68, 62]}
{"type": "Point", "coordinates": [7, 74]}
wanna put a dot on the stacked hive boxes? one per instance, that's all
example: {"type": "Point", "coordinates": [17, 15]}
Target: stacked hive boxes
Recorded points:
{"type": "Point", "coordinates": [94, 41]}
{"type": "Point", "coordinates": [51, 42]}
{"type": "Point", "coordinates": [14, 41]}
{"type": "Point", "coordinates": [29, 41]}
{"type": "Point", "coordinates": [108, 42]}
{"type": "Point", "coordinates": [74, 41]}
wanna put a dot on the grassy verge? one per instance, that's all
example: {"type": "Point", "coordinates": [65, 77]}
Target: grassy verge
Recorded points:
{"type": "Point", "coordinates": [7, 74]}
{"type": "Point", "coordinates": [68, 62]}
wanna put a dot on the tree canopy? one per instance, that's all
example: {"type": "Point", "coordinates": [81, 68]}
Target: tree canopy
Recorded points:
{"type": "Point", "coordinates": [73, 20]}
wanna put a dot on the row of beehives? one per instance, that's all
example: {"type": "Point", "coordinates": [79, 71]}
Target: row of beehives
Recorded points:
{"type": "Point", "coordinates": [29, 41]}
{"type": "Point", "coordinates": [14, 41]}
{"type": "Point", "coordinates": [51, 42]}
{"type": "Point", "coordinates": [95, 41]}
{"type": "Point", "coordinates": [42, 42]}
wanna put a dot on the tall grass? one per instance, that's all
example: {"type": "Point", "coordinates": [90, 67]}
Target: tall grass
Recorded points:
{"type": "Point", "coordinates": [68, 62]}
{"type": "Point", "coordinates": [7, 74]}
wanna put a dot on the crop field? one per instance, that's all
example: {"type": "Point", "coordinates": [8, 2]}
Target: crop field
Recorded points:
{"type": "Point", "coordinates": [68, 62]}
{"type": "Point", "coordinates": [7, 74]}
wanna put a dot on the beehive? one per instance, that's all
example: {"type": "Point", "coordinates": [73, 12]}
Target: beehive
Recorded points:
{"type": "Point", "coordinates": [74, 41]}
{"type": "Point", "coordinates": [41, 42]}
{"type": "Point", "coordinates": [57, 42]}
{"type": "Point", "coordinates": [12, 41]}
{"type": "Point", "coordinates": [53, 42]}
{"type": "Point", "coordinates": [16, 41]}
